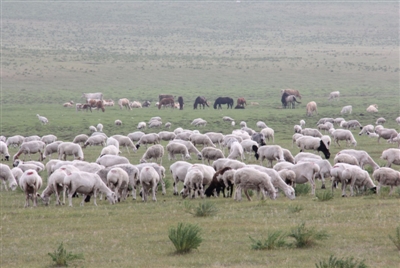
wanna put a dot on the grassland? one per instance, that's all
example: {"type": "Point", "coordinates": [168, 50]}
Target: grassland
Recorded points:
{"type": "Point", "coordinates": [52, 52]}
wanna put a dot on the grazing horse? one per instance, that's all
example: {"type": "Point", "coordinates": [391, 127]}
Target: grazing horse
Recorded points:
{"type": "Point", "coordinates": [163, 96]}
{"type": "Point", "coordinates": [223, 100]}
{"type": "Point", "coordinates": [167, 101]}
{"type": "Point", "coordinates": [180, 101]}
{"type": "Point", "coordinates": [291, 92]}
{"type": "Point", "coordinates": [200, 100]}
{"type": "Point", "coordinates": [241, 102]}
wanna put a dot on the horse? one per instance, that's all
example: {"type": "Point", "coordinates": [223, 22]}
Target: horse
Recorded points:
{"type": "Point", "coordinates": [291, 92]}
{"type": "Point", "coordinates": [100, 105]}
{"type": "Point", "coordinates": [180, 101]}
{"type": "Point", "coordinates": [166, 101]}
{"type": "Point", "coordinates": [97, 95]}
{"type": "Point", "coordinates": [200, 100]}
{"type": "Point", "coordinates": [241, 102]}
{"type": "Point", "coordinates": [223, 100]}
{"type": "Point", "coordinates": [163, 96]}
{"type": "Point", "coordinates": [289, 101]}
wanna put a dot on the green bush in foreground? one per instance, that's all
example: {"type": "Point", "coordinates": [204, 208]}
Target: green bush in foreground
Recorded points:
{"type": "Point", "coordinates": [274, 240]}
{"type": "Point", "coordinates": [324, 196]}
{"type": "Point", "coordinates": [204, 209]}
{"type": "Point", "coordinates": [333, 262]}
{"type": "Point", "coordinates": [61, 257]}
{"type": "Point", "coordinates": [302, 189]}
{"type": "Point", "coordinates": [185, 237]}
{"type": "Point", "coordinates": [396, 239]}
{"type": "Point", "coordinates": [295, 208]}
{"type": "Point", "coordinates": [306, 237]}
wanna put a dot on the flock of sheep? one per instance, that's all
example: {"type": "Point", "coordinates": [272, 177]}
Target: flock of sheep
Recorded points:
{"type": "Point", "coordinates": [226, 168]}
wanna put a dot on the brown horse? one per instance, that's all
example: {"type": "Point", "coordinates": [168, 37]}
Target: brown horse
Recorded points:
{"type": "Point", "coordinates": [100, 105]}
{"type": "Point", "coordinates": [241, 102]}
{"type": "Point", "coordinates": [167, 101]}
{"type": "Point", "coordinates": [200, 100]}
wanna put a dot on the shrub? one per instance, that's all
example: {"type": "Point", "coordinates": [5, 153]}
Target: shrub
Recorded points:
{"type": "Point", "coordinates": [204, 209]}
{"type": "Point", "coordinates": [302, 189]}
{"type": "Point", "coordinates": [306, 237]}
{"type": "Point", "coordinates": [295, 209]}
{"type": "Point", "coordinates": [333, 262]}
{"type": "Point", "coordinates": [324, 196]}
{"type": "Point", "coordinates": [185, 237]}
{"type": "Point", "coordinates": [61, 257]}
{"type": "Point", "coordinates": [396, 239]}
{"type": "Point", "coordinates": [274, 240]}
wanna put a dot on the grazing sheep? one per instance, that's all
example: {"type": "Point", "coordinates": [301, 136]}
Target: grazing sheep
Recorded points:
{"type": "Point", "coordinates": [324, 120]}
{"type": "Point", "coordinates": [324, 169]}
{"type": "Point", "coordinates": [311, 132]}
{"type": "Point", "coordinates": [297, 129]}
{"type": "Point", "coordinates": [95, 140]}
{"type": "Point", "coordinates": [30, 183]}
{"type": "Point", "coordinates": [178, 171]}
{"type": "Point", "coordinates": [362, 157]}
{"type": "Point", "coordinates": [4, 151]}
{"type": "Point", "coordinates": [250, 178]}
{"type": "Point", "coordinates": [259, 138]}
{"type": "Point", "coordinates": [168, 125]}
{"type": "Point", "coordinates": [15, 141]}
{"type": "Point", "coordinates": [51, 148]}
{"type": "Point", "coordinates": [334, 95]}
{"type": "Point", "coordinates": [336, 174]}
{"type": "Point", "coordinates": [31, 147]}
{"type": "Point", "coordinates": [110, 150]}
{"type": "Point", "coordinates": [295, 137]}
{"type": "Point", "coordinates": [387, 177]}
{"type": "Point", "coordinates": [227, 118]}
{"type": "Point", "coordinates": [32, 138]}
{"type": "Point", "coordinates": [344, 135]}
{"type": "Point", "coordinates": [303, 155]}
{"type": "Point", "coordinates": [108, 102]}
{"type": "Point", "coordinates": [326, 126]}
{"type": "Point", "coordinates": [125, 141]}
{"type": "Point", "coordinates": [287, 155]}
{"type": "Point", "coordinates": [247, 146]}
{"type": "Point", "coordinates": [392, 156]}
{"type": "Point", "coordinates": [112, 141]}
{"type": "Point", "coordinates": [81, 139]}
{"type": "Point", "coordinates": [312, 143]}
{"type": "Point", "coordinates": [268, 133]}
{"type": "Point", "coordinates": [338, 120]}
{"type": "Point", "coordinates": [197, 138]}
{"type": "Point", "coordinates": [215, 137]}
{"type": "Point", "coordinates": [141, 125]}
{"type": "Point", "coordinates": [373, 108]}
{"type": "Point", "coordinates": [166, 135]}
{"type": "Point", "coordinates": [302, 123]}
{"type": "Point", "coordinates": [311, 108]}
{"type": "Point", "coordinates": [225, 162]}
{"type": "Point", "coordinates": [111, 160]}
{"type": "Point", "coordinates": [193, 182]}
{"type": "Point", "coordinates": [17, 172]}
{"type": "Point", "coordinates": [211, 153]}
{"type": "Point", "coordinates": [184, 135]}
{"type": "Point", "coordinates": [7, 175]}
{"type": "Point", "coordinates": [398, 120]}
{"type": "Point", "coordinates": [345, 158]}
{"type": "Point", "coordinates": [355, 176]}
{"type": "Point", "coordinates": [155, 151]}
{"type": "Point", "coordinates": [236, 150]}
{"type": "Point", "coordinates": [177, 148]}
{"type": "Point", "coordinates": [151, 138]}
{"type": "Point", "coordinates": [42, 119]}
{"type": "Point", "coordinates": [191, 148]}
{"type": "Point", "coordinates": [47, 139]}
{"type": "Point", "coordinates": [269, 152]}
{"type": "Point", "coordinates": [124, 102]}
{"type": "Point", "coordinates": [243, 133]}
{"type": "Point", "coordinates": [347, 109]}
{"type": "Point", "coordinates": [217, 185]}
{"type": "Point", "coordinates": [351, 124]}
{"type": "Point", "coordinates": [155, 123]}
{"type": "Point", "coordinates": [81, 165]}
{"type": "Point", "coordinates": [261, 124]}
{"type": "Point", "coordinates": [380, 121]}
{"type": "Point", "coordinates": [70, 148]}
{"type": "Point", "coordinates": [149, 180]}
{"type": "Point", "coordinates": [86, 183]}
{"type": "Point", "coordinates": [118, 181]}
{"type": "Point", "coordinates": [28, 165]}
{"type": "Point", "coordinates": [92, 129]}
{"type": "Point", "coordinates": [366, 129]}
{"type": "Point", "coordinates": [385, 133]}
{"type": "Point", "coordinates": [135, 104]}
{"type": "Point", "coordinates": [135, 136]}
{"type": "Point", "coordinates": [118, 122]}
{"type": "Point", "coordinates": [99, 127]}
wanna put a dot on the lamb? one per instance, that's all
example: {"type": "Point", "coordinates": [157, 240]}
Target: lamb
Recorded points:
{"type": "Point", "coordinates": [352, 124]}
{"type": "Point", "coordinates": [311, 132]}
{"type": "Point", "coordinates": [261, 124]}
{"type": "Point", "coordinates": [191, 148]}
{"type": "Point", "coordinates": [324, 169]}
{"type": "Point", "coordinates": [297, 129]}
{"type": "Point", "coordinates": [70, 148]}
{"type": "Point", "coordinates": [236, 150]}
{"type": "Point", "coordinates": [4, 151]}
{"type": "Point", "coordinates": [110, 150]}
{"type": "Point", "coordinates": [118, 180]}
{"type": "Point", "coordinates": [30, 183]}
{"type": "Point", "coordinates": [387, 177]}
{"type": "Point", "coordinates": [347, 109]}
{"type": "Point", "coordinates": [373, 108]}
{"type": "Point", "coordinates": [288, 177]}
{"type": "Point", "coordinates": [178, 171]}
{"type": "Point", "coordinates": [154, 151]}
{"type": "Point", "coordinates": [148, 180]}
{"type": "Point", "coordinates": [392, 156]}
{"type": "Point", "coordinates": [302, 123]}
{"type": "Point", "coordinates": [95, 140]}
{"type": "Point", "coordinates": [125, 141]}
{"type": "Point", "coordinates": [385, 133]}
{"type": "Point", "coordinates": [243, 124]}
{"type": "Point", "coordinates": [268, 133]}
{"type": "Point", "coordinates": [118, 122]}
{"type": "Point", "coordinates": [357, 176]}
{"type": "Point", "coordinates": [201, 139]}
{"type": "Point", "coordinates": [92, 129]}
{"type": "Point", "coordinates": [225, 162]}
{"type": "Point", "coordinates": [51, 148]}
{"type": "Point", "coordinates": [250, 178]}
{"type": "Point", "coordinates": [247, 146]}
{"type": "Point", "coordinates": [345, 158]}
{"type": "Point", "coordinates": [155, 123]}
{"type": "Point", "coordinates": [111, 160]}
{"type": "Point", "coordinates": [81, 139]}
{"type": "Point", "coordinates": [193, 182]}
{"type": "Point", "coordinates": [362, 157]}
{"type": "Point", "coordinates": [269, 152]}
{"type": "Point", "coordinates": [211, 153]}
{"type": "Point", "coordinates": [311, 108]}
{"type": "Point", "coordinates": [112, 141]}
{"type": "Point", "coordinates": [338, 120]}
{"type": "Point", "coordinates": [366, 129]}
{"type": "Point", "coordinates": [311, 143]}
{"type": "Point", "coordinates": [141, 125]}
{"type": "Point", "coordinates": [305, 172]}
{"type": "Point", "coordinates": [344, 135]}
{"type": "Point", "coordinates": [47, 139]}
{"type": "Point", "coordinates": [17, 172]}
{"type": "Point", "coordinates": [177, 148]}
{"type": "Point", "coordinates": [31, 147]}
{"type": "Point", "coordinates": [15, 141]}
{"type": "Point", "coordinates": [151, 138]}
{"type": "Point", "coordinates": [334, 95]}
{"type": "Point", "coordinates": [215, 137]}
{"type": "Point", "coordinates": [135, 136]}
{"type": "Point", "coordinates": [7, 175]}
{"type": "Point", "coordinates": [42, 119]}
{"type": "Point", "coordinates": [166, 135]}
{"type": "Point", "coordinates": [86, 183]}
{"type": "Point", "coordinates": [380, 121]}
{"type": "Point", "coordinates": [168, 125]}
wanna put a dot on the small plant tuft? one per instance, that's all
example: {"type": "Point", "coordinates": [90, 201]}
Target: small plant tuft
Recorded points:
{"type": "Point", "coordinates": [396, 239]}
{"type": "Point", "coordinates": [274, 240]}
{"type": "Point", "coordinates": [295, 208]}
{"type": "Point", "coordinates": [302, 189]}
{"type": "Point", "coordinates": [306, 237]}
{"type": "Point", "coordinates": [204, 209]}
{"type": "Point", "coordinates": [324, 196]}
{"type": "Point", "coordinates": [61, 257]}
{"type": "Point", "coordinates": [185, 237]}
{"type": "Point", "coordinates": [333, 262]}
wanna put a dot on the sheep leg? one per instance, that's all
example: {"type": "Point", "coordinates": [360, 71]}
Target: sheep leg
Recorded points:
{"type": "Point", "coordinates": [94, 197]}
{"type": "Point", "coordinates": [26, 199]}
{"type": "Point", "coordinates": [247, 194]}
{"type": "Point", "coordinates": [153, 191]}
{"type": "Point", "coordinates": [391, 189]}
{"type": "Point", "coordinates": [127, 149]}
{"type": "Point", "coordinates": [343, 188]}
{"type": "Point", "coordinates": [83, 200]}
{"type": "Point", "coordinates": [5, 185]}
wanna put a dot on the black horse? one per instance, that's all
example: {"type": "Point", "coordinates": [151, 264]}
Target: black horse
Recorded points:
{"type": "Point", "coordinates": [180, 101]}
{"type": "Point", "coordinates": [223, 100]}
{"type": "Point", "coordinates": [200, 100]}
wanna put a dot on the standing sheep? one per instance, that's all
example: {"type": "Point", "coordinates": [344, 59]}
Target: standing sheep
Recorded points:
{"type": "Point", "coordinates": [51, 149]}
{"type": "Point", "coordinates": [311, 143]}
{"type": "Point", "coordinates": [31, 147]}
{"type": "Point", "coordinates": [334, 95]}
{"type": "Point", "coordinates": [118, 180]}
{"type": "Point", "coordinates": [249, 178]}
{"type": "Point", "coordinates": [149, 179]}
{"type": "Point", "coordinates": [125, 141]}
{"type": "Point", "coordinates": [392, 156]}
{"type": "Point", "coordinates": [4, 151]}
{"type": "Point", "coordinates": [177, 148]}
{"type": "Point", "coordinates": [155, 151]}
{"type": "Point", "coordinates": [70, 148]}
{"type": "Point", "coordinates": [30, 183]}
{"type": "Point", "coordinates": [311, 108]}
{"type": "Point", "coordinates": [7, 175]}
{"type": "Point", "coordinates": [269, 152]}
{"type": "Point", "coordinates": [193, 182]}
{"type": "Point", "coordinates": [387, 177]}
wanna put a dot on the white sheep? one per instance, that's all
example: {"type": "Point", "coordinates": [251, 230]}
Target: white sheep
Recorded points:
{"type": "Point", "coordinates": [302, 123]}
{"type": "Point", "coordinates": [338, 120]}
{"type": "Point", "coordinates": [118, 122]}
{"type": "Point", "coordinates": [269, 133]}
{"type": "Point", "coordinates": [97, 140]}
{"type": "Point", "coordinates": [38, 166]}
{"type": "Point", "coordinates": [51, 149]}
{"type": "Point", "coordinates": [92, 129]}
{"type": "Point", "coordinates": [366, 129]}
{"type": "Point", "coordinates": [141, 125]}
{"type": "Point", "coordinates": [30, 183]}
{"type": "Point", "coordinates": [351, 124]}
{"type": "Point", "coordinates": [355, 176]}
{"type": "Point", "coordinates": [215, 137]}
{"type": "Point", "coordinates": [160, 171]}
{"type": "Point", "coordinates": [347, 109]}
{"type": "Point", "coordinates": [324, 120]}
{"type": "Point", "coordinates": [208, 174]}
{"type": "Point", "coordinates": [373, 108]}
{"type": "Point", "coordinates": [70, 148]}
{"type": "Point", "coordinates": [155, 151]}
{"type": "Point", "coordinates": [178, 171]}
{"type": "Point", "coordinates": [17, 172]}
{"type": "Point", "coordinates": [236, 150]}
{"type": "Point", "coordinates": [251, 179]}
{"type": "Point", "coordinates": [380, 121]}
{"type": "Point", "coordinates": [334, 95]}
{"type": "Point", "coordinates": [398, 120]}
{"type": "Point", "coordinates": [243, 124]}
{"type": "Point", "coordinates": [86, 183]}
{"type": "Point", "coordinates": [385, 133]}
{"type": "Point", "coordinates": [311, 132]}
{"type": "Point", "coordinates": [177, 148]}
{"type": "Point", "coordinates": [362, 157]}
{"type": "Point", "coordinates": [295, 137]}
{"type": "Point", "coordinates": [155, 123]}
{"type": "Point", "coordinates": [49, 138]}
{"type": "Point", "coordinates": [225, 162]}
{"type": "Point", "coordinates": [303, 155]}
{"type": "Point", "coordinates": [387, 177]}
{"type": "Point", "coordinates": [392, 156]}
{"type": "Point", "coordinates": [193, 182]}
{"type": "Point", "coordinates": [194, 121]}
{"type": "Point", "coordinates": [7, 175]}
{"type": "Point", "coordinates": [125, 141]}
{"type": "Point", "coordinates": [135, 136]}
{"type": "Point", "coordinates": [31, 147]}
{"type": "Point", "coordinates": [111, 160]}
{"type": "Point", "coordinates": [151, 138]}
{"type": "Point", "coordinates": [112, 141]}
{"type": "Point", "coordinates": [184, 135]}
{"type": "Point", "coordinates": [32, 138]}
{"type": "Point", "coordinates": [149, 179]}
{"type": "Point", "coordinates": [14, 141]}
{"type": "Point", "coordinates": [311, 108]}
{"type": "Point", "coordinates": [249, 131]}
{"type": "Point", "coordinates": [197, 138]}
{"type": "Point", "coordinates": [270, 153]}
{"type": "Point", "coordinates": [324, 169]}
{"type": "Point", "coordinates": [166, 135]}
{"type": "Point", "coordinates": [81, 139]}
{"type": "Point", "coordinates": [118, 181]}
{"type": "Point", "coordinates": [344, 135]}
{"type": "Point", "coordinates": [312, 143]}
{"type": "Point", "coordinates": [4, 151]}
{"type": "Point", "coordinates": [287, 155]}
{"type": "Point", "coordinates": [110, 150]}
{"type": "Point", "coordinates": [42, 119]}
{"type": "Point", "coordinates": [247, 146]}
{"type": "Point", "coordinates": [325, 126]}
{"type": "Point", "coordinates": [297, 128]}
{"type": "Point", "coordinates": [227, 118]}
{"type": "Point", "coordinates": [261, 124]}
{"type": "Point", "coordinates": [345, 158]}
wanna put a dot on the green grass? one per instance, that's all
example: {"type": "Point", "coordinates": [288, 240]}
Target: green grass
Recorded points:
{"type": "Point", "coordinates": [334, 262]}
{"type": "Point", "coordinates": [306, 237]}
{"type": "Point", "coordinates": [61, 257]}
{"type": "Point", "coordinates": [53, 52]}
{"type": "Point", "coordinates": [185, 237]}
